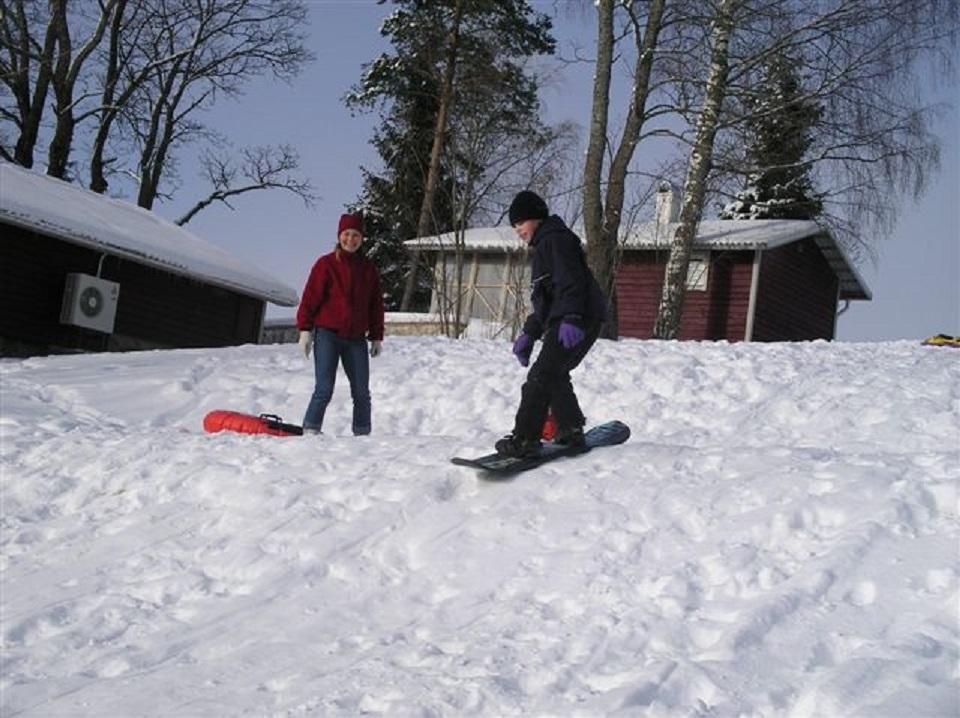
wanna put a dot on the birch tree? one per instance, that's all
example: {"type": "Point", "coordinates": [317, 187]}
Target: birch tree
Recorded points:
{"type": "Point", "coordinates": [695, 185]}
{"type": "Point", "coordinates": [872, 142]}
{"type": "Point", "coordinates": [491, 154]}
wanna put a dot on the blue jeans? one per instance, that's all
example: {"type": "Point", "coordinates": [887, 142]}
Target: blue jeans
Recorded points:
{"type": "Point", "coordinates": [328, 351]}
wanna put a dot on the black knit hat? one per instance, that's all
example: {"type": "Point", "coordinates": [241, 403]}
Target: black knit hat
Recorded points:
{"type": "Point", "coordinates": [527, 205]}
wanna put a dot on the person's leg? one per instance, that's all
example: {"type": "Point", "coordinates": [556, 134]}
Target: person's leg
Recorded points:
{"type": "Point", "coordinates": [537, 390]}
{"type": "Point", "coordinates": [325, 358]}
{"type": "Point", "coordinates": [563, 400]}
{"type": "Point", "coordinates": [534, 405]}
{"type": "Point", "coordinates": [356, 365]}
{"type": "Point", "coordinates": [548, 386]}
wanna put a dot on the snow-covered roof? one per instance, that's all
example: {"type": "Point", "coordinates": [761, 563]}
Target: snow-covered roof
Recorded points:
{"type": "Point", "coordinates": [74, 214]}
{"type": "Point", "coordinates": [740, 234]}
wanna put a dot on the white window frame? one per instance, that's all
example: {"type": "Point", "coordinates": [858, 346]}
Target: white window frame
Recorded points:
{"type": "Point", "coordinates": [698, 271]}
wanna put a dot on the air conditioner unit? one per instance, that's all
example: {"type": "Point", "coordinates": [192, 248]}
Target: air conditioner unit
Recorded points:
{"type": "Point", "coordinates": [90, 302]}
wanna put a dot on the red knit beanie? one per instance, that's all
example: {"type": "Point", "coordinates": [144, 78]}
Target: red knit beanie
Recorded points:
{"type": "Point", "coordinates": [350, 221]}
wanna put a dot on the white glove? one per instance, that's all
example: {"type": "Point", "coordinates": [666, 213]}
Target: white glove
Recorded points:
{"type": "Point", "coordinates": [375, 347]}
{"type": "Point", "coordinates": [306, 343]}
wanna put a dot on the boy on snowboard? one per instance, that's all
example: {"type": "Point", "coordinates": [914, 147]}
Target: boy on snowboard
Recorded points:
{"type": "Point", "coordinates": [568, 311]}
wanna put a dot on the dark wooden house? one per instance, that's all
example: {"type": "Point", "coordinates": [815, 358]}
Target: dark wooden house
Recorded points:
{"type": "Point", "coordinates": [749, 280]}
{"type": "Point", "coordinates": [84, 272]}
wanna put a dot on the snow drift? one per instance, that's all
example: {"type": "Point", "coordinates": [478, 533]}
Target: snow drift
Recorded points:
{"type": "Point", "coordinates": [778, 537]}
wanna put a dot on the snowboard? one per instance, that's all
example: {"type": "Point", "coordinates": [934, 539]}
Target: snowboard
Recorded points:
{"type": "Point", "coordinates": [497, 466]}
{"type": "Point", "coordinates": [270, 424]}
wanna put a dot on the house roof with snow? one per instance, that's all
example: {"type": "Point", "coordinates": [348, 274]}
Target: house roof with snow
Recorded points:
{"type": "Point", "coordinates": [74, 214]}
{"type": "Point", "coordinates": [743, 234]}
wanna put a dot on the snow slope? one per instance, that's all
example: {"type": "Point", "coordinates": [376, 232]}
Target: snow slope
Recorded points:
{"type": "Point", "coordinates": [778, 538]}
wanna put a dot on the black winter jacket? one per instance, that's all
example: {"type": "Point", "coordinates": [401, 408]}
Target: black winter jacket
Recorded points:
{"type": "Point", "coordinates": [562, 283]}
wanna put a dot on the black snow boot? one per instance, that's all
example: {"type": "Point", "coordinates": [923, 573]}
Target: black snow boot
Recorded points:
{"type": "Point", "coordinates": [511, 445]}
{"type": "Point", "coordinates": [572, 437]}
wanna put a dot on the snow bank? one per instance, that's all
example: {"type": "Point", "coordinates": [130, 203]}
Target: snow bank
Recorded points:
{"type": "Point", "coordinates": [779, 537]}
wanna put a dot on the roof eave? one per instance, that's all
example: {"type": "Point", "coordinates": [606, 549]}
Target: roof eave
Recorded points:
{"type": "Point", "coordinates": [63, 234]}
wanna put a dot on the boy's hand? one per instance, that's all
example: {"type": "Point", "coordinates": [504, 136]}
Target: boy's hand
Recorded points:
{"type": "Point", "coordinates": [522, 348]}
{"type": "Point", "coordinates": [569, 334]}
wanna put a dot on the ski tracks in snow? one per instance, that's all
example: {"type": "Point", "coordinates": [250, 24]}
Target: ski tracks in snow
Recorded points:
{"type": "Point", "coordinates": [772, 540]}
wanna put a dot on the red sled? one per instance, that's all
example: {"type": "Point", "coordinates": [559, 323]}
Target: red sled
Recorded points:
{"type": "Point", "coordinates": [249, 424]}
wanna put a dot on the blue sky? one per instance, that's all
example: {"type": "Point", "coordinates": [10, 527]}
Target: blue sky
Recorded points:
{"type": "Point", "coordinates": [914, 282]}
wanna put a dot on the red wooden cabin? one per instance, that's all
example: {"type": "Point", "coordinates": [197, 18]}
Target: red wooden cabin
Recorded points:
{"type": "Point", "coordinates": [749, 280]}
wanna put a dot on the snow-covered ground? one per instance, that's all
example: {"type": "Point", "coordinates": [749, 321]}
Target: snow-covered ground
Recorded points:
{"type": "Point", "coordinates": [779, 537]}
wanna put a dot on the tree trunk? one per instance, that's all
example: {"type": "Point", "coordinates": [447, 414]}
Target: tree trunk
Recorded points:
{"type": "Point", "coordinates": [667, 324]}
{"type": "Point", "coordinates": [64, 81]}
{"type": "Point", "coordinates": [424, 223]}
{"type": "Point", "coordinates": [30, 107]}
{"type": "Point", "coordinates": [108, 110]}
{"type": "Point", "coordinates": [59, 149]}
{"type": "Point", "coordinates": [593, 168]}
{"type": "Point", "coordinates": [152, 172]}
{"type": "Point", "coordinates": [163, 124]}
{"type": "Point", "coordinates": [603, 222]}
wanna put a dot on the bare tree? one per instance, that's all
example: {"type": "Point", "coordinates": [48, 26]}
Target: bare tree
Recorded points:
{"type": "Point", "coordinates": [694, 190]}
{"type": "Point", "coordinates": [143, 69]}
{"type": "Point", "coordinates": [66, 71]}
{"type": "Point", "coordinates": [125, 66]}
{"type": "Point", "coordinates": [603, 203]}
{"type": "Point", "coordinates": [54, 65]}
{"type": "Point", "coordinates": [859, 57]}
{"type": "Point", "coordinates": [26, 69]}
{"type": "Point", "coordinates": [213, 47]}
{"type": "Point", "coordinates": [448, 45]}
{"type": "Point", "coordinates": [490, 158]}
{"type": "Point", "coordinates": [261, 168]}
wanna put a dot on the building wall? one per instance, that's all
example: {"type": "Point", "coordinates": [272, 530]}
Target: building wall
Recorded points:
{"type": "Point", "coordinates": [719, 312]}
{"type": "Point", "coordinates": [796, 295]}
{"type": "Point", "coordinates": [156, 309]}
{"type": "Point", "coordinates": [284, 331]}
{"type": "Point", "coordinates": [495, 286]}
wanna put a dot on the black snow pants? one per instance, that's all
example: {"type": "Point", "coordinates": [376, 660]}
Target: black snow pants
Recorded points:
{"type": "Point", "coordinates": [548, 384]}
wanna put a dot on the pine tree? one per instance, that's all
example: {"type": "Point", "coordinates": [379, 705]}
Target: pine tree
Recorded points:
{"type": "Point", "coordinates": [390, 201]}
{"type": "Point", "coordinates": [779, 136]}
{"type": "Point", "coordinates": [490, 37]}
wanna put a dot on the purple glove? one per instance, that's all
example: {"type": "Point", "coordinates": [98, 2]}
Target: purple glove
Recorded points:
{"type": "Point", "coordinates": [570, 334]}
{"type": "Point", "coordinates": [522, 348]}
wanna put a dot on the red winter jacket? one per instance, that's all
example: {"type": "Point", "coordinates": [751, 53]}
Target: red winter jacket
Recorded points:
{"type": "Point", "coordinates": [343, 295]}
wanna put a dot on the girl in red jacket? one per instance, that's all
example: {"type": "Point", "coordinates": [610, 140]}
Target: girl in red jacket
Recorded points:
{"type": "Point", "coordinates": [341, 308]}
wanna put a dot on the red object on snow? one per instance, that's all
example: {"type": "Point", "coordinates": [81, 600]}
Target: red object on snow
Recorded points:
{"type": "Point", "coordinates": [549, 427]}
{"type": "Point", "coordinates": [249, 424]}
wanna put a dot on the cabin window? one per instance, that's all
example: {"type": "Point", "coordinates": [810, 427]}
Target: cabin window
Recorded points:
{"type": "Point", "coordinates": [452, 283]}
{"type": "Point", "coordinates": [494, 286]}
{"type": "Point", "coordinates": [488, 287]}
{"type": "Point", "coordinates": [698, 272]}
